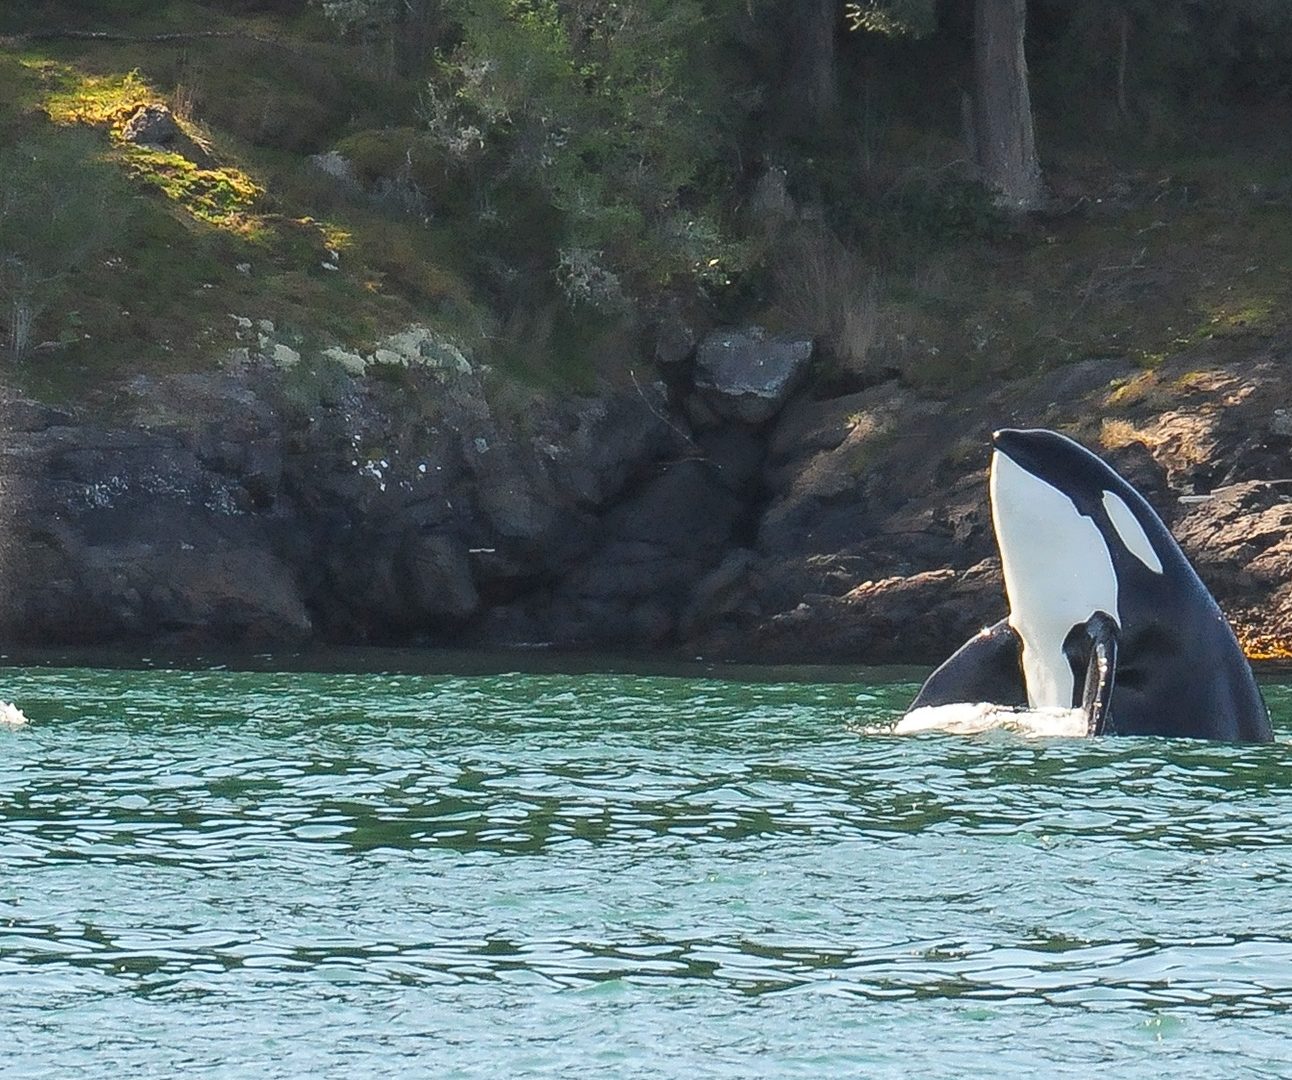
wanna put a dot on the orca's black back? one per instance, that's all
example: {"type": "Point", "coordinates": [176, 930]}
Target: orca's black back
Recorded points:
{"type": "Point", "coordinates": [1188, 679]}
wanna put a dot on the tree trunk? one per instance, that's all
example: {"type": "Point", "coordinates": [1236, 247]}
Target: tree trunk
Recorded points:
{"type": "Point", "coordinates": [21, 317]}
{"type": "Point", "coordinates": [1122, 52]}
{"type": "Point", "coordinates": [813, 75]}
{"type": "Point", "coordinates": [1005, 144]}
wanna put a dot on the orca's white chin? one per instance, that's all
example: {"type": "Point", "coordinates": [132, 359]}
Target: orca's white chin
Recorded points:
{"type": "Point", "coordinates": [1058, 573]}
{"type": "Point", "coordinates": [973, 718]}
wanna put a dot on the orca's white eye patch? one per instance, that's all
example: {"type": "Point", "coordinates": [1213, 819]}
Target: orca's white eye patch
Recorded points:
{"type": "Point", "coordinates": [1131, 531]}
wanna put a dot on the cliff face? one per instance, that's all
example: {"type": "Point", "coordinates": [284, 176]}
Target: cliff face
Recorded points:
{"type": "Point", "coordinates": [259, 506]}
{"type": "Point", "coordinates": [267, 506]}
{"type": "Point", "coordinates": [172, 475]}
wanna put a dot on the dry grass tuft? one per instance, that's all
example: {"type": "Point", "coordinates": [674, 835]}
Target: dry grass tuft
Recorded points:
{"type": "Point", "coordinates": [826, 289]}
{"type": "Point", "coordinates": [1114, 434]}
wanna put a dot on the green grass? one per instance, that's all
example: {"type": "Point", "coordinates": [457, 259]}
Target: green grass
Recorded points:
{"type": "Point", "coordinates": [1142, 284]}
{"type": "Point", "coordinates": [159, 296]}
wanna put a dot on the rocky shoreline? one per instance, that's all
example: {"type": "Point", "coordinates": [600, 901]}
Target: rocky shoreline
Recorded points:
{"type": "Point", "coordinates": [722, 504]}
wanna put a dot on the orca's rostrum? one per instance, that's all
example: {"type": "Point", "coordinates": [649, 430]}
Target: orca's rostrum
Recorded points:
{"type": "Point", "coordinates": [1105, 613]}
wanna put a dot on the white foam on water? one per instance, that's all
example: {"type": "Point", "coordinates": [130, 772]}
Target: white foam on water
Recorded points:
{"type": "Point", "coordinates": [973, 718]}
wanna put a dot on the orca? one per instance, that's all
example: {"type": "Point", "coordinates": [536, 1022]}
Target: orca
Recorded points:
{"type": "Point", "coordinates": [1105, 612]}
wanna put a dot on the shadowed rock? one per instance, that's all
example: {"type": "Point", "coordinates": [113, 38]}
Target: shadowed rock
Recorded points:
{"type": "Point", "coordinates": [152, 125]}
{"type": "Point", "coordinates": [747, 375]}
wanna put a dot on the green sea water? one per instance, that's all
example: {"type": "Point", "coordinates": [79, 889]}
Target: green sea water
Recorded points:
{"type": "Point", "coordinates": [268, 874]}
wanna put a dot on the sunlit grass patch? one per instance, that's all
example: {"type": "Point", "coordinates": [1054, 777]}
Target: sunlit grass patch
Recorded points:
{"type": "Point", "coordinates": [78, 97]}
{"type": "Point", "coordinates": [226, 218]}
{"type": "Point", "coordinates": [1239, 315]}
{"type": "Point", "coordinates": [220, 196]}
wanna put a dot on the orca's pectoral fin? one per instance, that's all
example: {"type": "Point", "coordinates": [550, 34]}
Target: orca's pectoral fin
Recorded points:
{"type": "Point", "coordinates": [987, 667]}
{"type": "Point", "coordinates": [1100, 648]}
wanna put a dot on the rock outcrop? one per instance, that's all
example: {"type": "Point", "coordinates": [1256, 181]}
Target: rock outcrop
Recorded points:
{"type": "Point", "coordinates": [339, 496]}
{"type": "Point", "coordinates": [116, 535]}
{"type": "Point", "coordinates": [1240, 540]}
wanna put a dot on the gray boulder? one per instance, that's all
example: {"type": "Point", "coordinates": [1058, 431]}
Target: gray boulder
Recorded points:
{"type": "Point", "coordinates": [439, 577]}
{"type": "Point", "coordinates": [1240, 540]}
{"type": "Point", "coordinates": [723, 592]}
{"type": "Point", "coordinates": [685, 508]}
{"type": "Point", "coordinates": [747, 375]}
{"type": "Point", "coordinates": [657, 543]}
{"type": "Point", "coordinates": [607, 440]}
{"type": "Point", "coordinates": [152, 125]}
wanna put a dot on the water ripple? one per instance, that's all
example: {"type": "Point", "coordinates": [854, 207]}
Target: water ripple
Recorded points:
{"type": "Point", "coordinates": [514, 874]}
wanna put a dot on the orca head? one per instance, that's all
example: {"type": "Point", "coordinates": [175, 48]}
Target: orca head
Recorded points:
{"type": "Point", "coordinates": [1065, 525]}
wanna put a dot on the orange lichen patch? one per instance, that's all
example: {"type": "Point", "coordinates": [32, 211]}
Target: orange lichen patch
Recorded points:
{"type": "Point", "coordinates": [1263, 645]}
{"type": "Point", "coordinates": [336, 237]}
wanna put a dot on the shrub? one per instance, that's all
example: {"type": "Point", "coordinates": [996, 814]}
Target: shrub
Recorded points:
{"type": "Point", "coordinates": [603, 108]}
